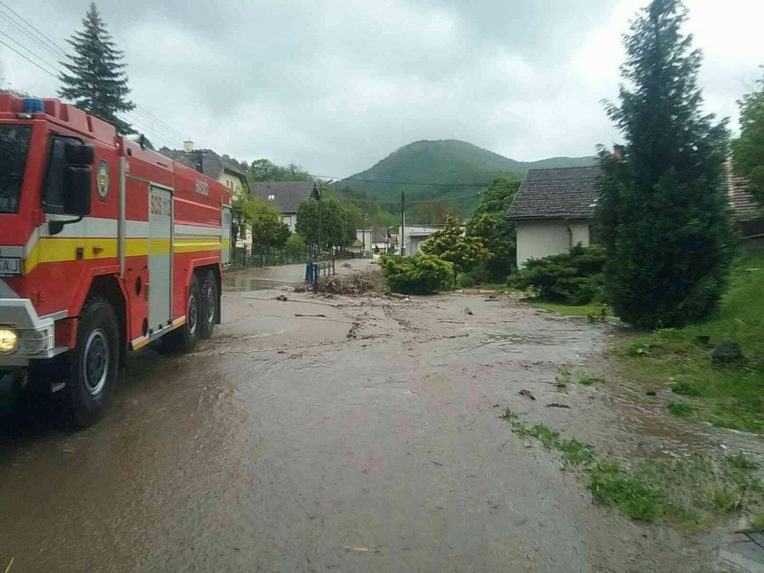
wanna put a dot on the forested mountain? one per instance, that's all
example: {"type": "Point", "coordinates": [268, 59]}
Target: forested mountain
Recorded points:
{"type": "Point", "coordinates": [443, 175]}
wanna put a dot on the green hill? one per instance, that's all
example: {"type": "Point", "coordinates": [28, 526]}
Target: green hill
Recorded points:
{"type": "Point", "coordinates": [445, 173]}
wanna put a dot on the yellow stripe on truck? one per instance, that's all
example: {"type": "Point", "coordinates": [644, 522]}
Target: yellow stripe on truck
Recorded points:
{"type": "Point", "coordinates": [64, 249]}
{"type": "Point", "coordinates": [189, 244]}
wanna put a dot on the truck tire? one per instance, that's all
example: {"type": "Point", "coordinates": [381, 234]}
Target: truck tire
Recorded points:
{"type": "Point", "coordinates": [184, 338]}
{"type": "Point", "coordinates": [94, 363]}
{"type": "Point", "coordinates": [209, 306]}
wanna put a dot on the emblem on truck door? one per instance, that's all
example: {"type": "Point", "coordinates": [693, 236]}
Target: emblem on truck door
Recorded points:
{"type": "Point", "coordinates": [102, 180]}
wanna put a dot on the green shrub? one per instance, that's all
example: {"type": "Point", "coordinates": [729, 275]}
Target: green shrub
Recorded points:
{"type": "Point", "coordinates": [295, 246]}
{"type": "Point", "coordinates": [568, 278]}
{"type": "Point", "coordinates": [420, 274]}
{"type": "Point", "coordinates": [451, 244]}
{"type": "Point", "coordinates": [465, 280]}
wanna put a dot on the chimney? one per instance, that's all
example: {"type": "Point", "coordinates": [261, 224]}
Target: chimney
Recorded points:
{"type": "Point", "coordinates": [188, 146]}
{"type": "Point", "coordinates": [619, 152]}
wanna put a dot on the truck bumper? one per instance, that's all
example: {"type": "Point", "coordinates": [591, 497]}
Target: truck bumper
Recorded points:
{"type": "Point", "coordinates": [36, 335]}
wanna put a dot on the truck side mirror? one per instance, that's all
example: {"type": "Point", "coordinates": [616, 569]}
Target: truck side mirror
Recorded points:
{"type": "Point", "coordinates": [80, 154]}
{"type": "Point", "coordinates": [77, 190]}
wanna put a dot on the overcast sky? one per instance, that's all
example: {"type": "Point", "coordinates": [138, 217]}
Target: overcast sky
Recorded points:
{"type": "Point", "coordinates": [335, 86]}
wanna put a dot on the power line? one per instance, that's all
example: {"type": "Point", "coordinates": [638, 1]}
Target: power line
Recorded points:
{"type": "Point", "coordinates": [152, 116]}
{"type": "Point", "coordinates": [42, 36]}
{"type": "Point", "coordinates": [29, 51]}
{"type": "Point", "coordinates": [23, 32]}
{"type": "Point", "coordinates": [34, 59]}
{"type": "Point", "coordinates": [30, 60]}
{"type": "Point", "coordinates": [159, 128]}
{"type": "Point", "coordinates": [350, 180]}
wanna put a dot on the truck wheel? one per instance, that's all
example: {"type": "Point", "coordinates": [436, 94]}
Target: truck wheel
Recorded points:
{"type": "Point", "coordinates": [94, 365]}
{"type": "Point", "coordinates": [209, 305]}
{"type": "Point", "coordinates": [184, 339]}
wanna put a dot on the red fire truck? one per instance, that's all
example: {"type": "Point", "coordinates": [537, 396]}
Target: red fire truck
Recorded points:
{"type": "Point", "coordinates": [105, 247]}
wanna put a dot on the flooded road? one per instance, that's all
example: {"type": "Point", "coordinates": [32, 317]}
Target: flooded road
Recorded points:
{"type": "Point", "coordinates": [256, 278]}
{"type": "Point", "coordinates": [349, 434]}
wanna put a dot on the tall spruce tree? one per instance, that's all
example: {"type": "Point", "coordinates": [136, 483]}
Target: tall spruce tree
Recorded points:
{"type": "Point", "coordinates": [96, 80]}
{"type": "Point", "coordinates": [662, 211]}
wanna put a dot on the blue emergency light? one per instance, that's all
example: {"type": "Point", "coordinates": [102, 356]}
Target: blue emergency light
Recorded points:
{"type": "Point", "coordinates": [32, 105]}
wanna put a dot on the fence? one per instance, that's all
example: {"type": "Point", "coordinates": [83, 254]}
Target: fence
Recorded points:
{"type": "Point", "coordinates": [270, 258]}
{"type": "Point", "coordinates": [277, 257]}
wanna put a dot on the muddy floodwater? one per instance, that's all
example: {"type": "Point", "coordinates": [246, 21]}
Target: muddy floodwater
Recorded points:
{"type": "Point", "coordinates": [349, 434]}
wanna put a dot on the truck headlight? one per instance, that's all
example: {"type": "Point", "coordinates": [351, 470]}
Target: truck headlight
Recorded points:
{"type": "Point", "coordinates": [9, 340]}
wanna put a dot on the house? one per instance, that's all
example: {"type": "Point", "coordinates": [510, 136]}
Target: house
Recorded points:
{"type": "Point", "coordinates": [414, 236]}
{"type": "Point", "coordinates": [222, 168]}
{"type": "Point", "coordinates": [747, 213]}
{"type": "Point", "coordinates": [553, 211]}
{"type": "Point", "coordinates": [373, 240]}
{"type": "Point", "coordinates": [285, 196]}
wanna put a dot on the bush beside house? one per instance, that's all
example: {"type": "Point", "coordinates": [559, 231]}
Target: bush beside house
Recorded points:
{"type": "Point", "coordinates": [420, 274]}
{"type": "Point", "coordinates": [570, 278]}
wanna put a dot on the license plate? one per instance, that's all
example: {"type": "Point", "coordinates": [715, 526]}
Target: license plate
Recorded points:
{"type": "Point", "coordinates": [9, 267]}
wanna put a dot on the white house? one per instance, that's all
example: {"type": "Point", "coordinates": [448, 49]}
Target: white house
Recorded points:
{"type": "Point", "coordinates": [414, 236]}
{"type": "Point", "coordinates": [553, 211]}
{"type": "Point", "coordinates": [373, 240]}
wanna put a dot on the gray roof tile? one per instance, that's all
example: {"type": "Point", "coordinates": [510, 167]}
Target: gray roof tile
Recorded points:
{"type": "Point", "coordinates": [212, 164]}
{"type": "Point", "coordinates": [287, 195]}
{"type": "Point", "coordinates": [744, 207]}
{"type": "Point", "coordinates": [565, 193]}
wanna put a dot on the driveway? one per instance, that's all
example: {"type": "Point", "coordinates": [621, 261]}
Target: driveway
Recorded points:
{"type": "Point", "coordinates": [349, 434]}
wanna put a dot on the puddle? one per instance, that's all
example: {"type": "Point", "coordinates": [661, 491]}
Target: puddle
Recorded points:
{"type": "Point", "coordinates": [245, 284]}
{"type": "Point", "coordinates": [514, 338]}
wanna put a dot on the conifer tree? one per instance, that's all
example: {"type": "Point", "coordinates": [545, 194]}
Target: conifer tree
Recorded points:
{"type": "Point", "coordinates": [662, 211]}
{"type": "Point", "coordinates": [95, 79]}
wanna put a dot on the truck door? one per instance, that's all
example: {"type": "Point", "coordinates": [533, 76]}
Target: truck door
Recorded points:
{"type": "Point", "coordinates": [226, 237]}
{"type": "Point", "coordinates": [160, 257]}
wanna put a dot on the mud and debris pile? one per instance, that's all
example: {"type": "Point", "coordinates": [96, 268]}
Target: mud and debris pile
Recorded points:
{"type": "Point", "coordinates": [362, 283]}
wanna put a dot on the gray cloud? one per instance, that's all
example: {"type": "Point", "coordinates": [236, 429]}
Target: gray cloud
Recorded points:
{"type": "Point", "coordinates": [336, 85]}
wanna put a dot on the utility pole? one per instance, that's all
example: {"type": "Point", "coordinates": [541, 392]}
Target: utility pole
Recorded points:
{"type": "Point", "coordinates": [403, 223]}
{"type": "Point", "coordinates": [316, 194]}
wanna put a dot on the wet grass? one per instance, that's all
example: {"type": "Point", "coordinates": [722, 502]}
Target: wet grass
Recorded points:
{"type": "Point", "coordinates": [694, 491]}
{"type": "Point", "coordinates": [567, 376]}
{"type": "Point", "coordinates": [680, 359]}
{"type": "Point", "coordinates": [680, 409]}
{"type": "Point", "coordinates": [611, 484]}
{"type": "Point", "coordinates": [586, 380]}
{"type": "Point", "coordinates": [593, 311]}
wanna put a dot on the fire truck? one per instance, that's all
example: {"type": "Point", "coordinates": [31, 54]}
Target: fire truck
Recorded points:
{"type": "Point", "coordinates": [106, 247]}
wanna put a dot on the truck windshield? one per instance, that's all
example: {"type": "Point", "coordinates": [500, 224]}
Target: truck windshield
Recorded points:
{"type": "Point", "coordinates": [14, 144]}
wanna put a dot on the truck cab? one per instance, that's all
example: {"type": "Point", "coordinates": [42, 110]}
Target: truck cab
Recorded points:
{"type": "Point", "coordinates": [105, 247]}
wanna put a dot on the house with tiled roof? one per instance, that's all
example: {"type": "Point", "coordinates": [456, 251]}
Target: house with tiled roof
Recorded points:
{"type": "Point", "coordinates": [747, 213]}
{"type": "Point", "coordinates": [219, 167]}
{"type": "Point", "coordinates": [285, 196]}
{"type": "Point", "coordinates": [553, 211]}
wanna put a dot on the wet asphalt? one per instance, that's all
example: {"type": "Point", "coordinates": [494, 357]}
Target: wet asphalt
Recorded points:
{"type": "Point", "coordinates": [314, 434]}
